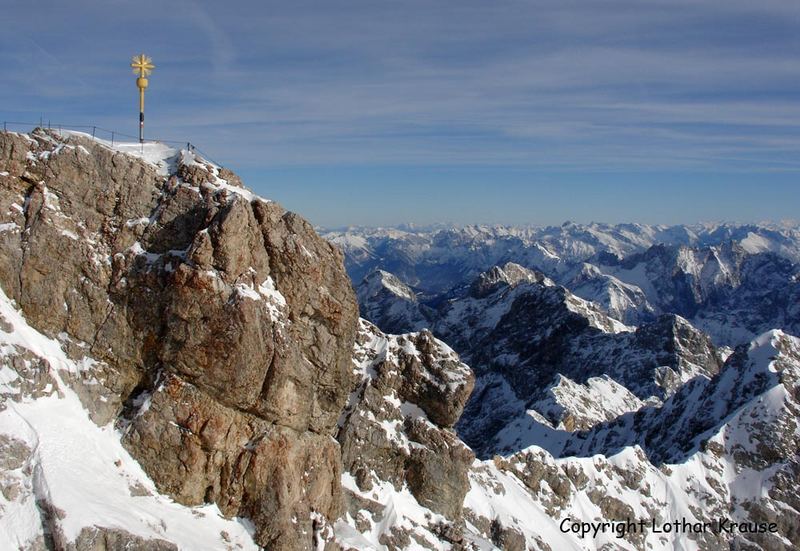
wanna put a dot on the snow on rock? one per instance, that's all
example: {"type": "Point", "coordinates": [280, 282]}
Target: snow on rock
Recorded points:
{"type": "Point", "coordinates": [63, 475]}
{"type": "Point", "coordinates": [729, 453]}
{"type": "Point", "coordinates": [160, 155]}
{"type": "Point", "coordinates": [546, 341]}
{"type": "Point", "coordinates": [396, 438]}
{"type": "Point", "coordinates": [383, 298]}
{"type": "Point", "coordinates": [166, 159]}
{"type": "Point", "coordinates": [175, 302]}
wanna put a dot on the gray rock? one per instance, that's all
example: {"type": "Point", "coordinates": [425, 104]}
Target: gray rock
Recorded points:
{"type": "Point", "coordinates": [96, 538]}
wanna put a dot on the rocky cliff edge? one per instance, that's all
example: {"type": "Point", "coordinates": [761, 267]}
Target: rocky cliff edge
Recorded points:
{"type": "Point", "coordinates": [213, 329]}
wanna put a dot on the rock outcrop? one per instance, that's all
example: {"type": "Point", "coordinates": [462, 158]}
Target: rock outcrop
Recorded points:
{"type": "Point", "coordinates": [410, 391]}
{"type": "Point", "coordinates": [221, 326]}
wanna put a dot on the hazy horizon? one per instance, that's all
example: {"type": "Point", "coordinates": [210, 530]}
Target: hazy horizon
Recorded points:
{"type": "Point", "coordinates": [411, 227]}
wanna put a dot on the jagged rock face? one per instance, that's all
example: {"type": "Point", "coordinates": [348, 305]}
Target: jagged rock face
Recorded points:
{"type": "Point", "coordinates": [544, 342]}
{"type": "Point", "coordinates": [410, 392]}
{"type": "Point", "coordinates": [382, 296]}
{"type": "Point", "coordinates": [66, 483]}
{"type": "Point", "coordinates": [535, 345]}
{"type": "Point", "coordinates": [208, 453]}
{"type": "Point", "coordinates": [221, 323]}
{"type": "Point", "coordinates": [397, 431]}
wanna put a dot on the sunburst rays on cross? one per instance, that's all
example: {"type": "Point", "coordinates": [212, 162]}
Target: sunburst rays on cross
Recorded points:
{"type": "Point", "coordinates": [142, 65]}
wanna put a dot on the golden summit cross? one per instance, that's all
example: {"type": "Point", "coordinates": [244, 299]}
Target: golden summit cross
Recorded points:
{"type": "Point", "coordinates": [142, 66]}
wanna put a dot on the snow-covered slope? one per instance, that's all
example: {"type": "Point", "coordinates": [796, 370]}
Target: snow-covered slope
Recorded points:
{"type": "Point", "coordinates": [720, 448]}
{"type": "Point", "coordinates": [65, 479]}
{"type": "Point", "coordinates": [622, 300]}
{"type": "Point", "coordinates": [382, 296]}
{"type": "Point", "coordinates": [717, 458]}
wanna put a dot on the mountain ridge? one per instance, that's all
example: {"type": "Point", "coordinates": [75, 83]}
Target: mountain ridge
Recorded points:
{"type": "Point", "coordinates": [190, 357]}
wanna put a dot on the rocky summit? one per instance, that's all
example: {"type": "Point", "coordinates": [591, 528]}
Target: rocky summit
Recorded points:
{"type": "Point", "coordinates": [183, 366]}
{"type": "Point", "coordinates": [217, 326]}
{"type": "Point", "coordinates": [203, 349]}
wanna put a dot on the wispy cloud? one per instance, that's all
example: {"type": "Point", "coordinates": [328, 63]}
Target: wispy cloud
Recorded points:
{"type": "Point", "coordinates": [567, 85]}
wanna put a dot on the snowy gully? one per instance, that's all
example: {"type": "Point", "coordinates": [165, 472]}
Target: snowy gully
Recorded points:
{"type": "Point", "coordinates": [621, 528]}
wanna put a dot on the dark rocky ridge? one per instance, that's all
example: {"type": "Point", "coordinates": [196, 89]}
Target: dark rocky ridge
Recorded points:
{"type": "Point", "coordinates": [516, 325]}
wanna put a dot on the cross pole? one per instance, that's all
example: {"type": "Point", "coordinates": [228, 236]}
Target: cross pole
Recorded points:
{"type": "Point", "coordinates": [142, 66]}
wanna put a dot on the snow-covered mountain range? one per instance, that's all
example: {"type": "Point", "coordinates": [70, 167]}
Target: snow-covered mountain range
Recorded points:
{"type": "Point", "coordinates": [414, 254]}
{"type": "Point", "coordinates": [733, 281]}
{"type": "Point", "coordinates": [183, 367]}
{"type": "Point", "coordinates": [633, 345]}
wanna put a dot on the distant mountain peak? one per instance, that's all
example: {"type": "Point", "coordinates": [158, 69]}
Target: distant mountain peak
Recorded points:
{"type": "Point", "coordinates": [509, 274]}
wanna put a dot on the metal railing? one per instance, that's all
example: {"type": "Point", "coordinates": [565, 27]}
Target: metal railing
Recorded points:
{"type": "Point", "coordinates": [98, 132]}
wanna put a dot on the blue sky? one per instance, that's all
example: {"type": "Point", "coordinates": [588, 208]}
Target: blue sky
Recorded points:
{"type": "Point", "coordinates": [382, 112]}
